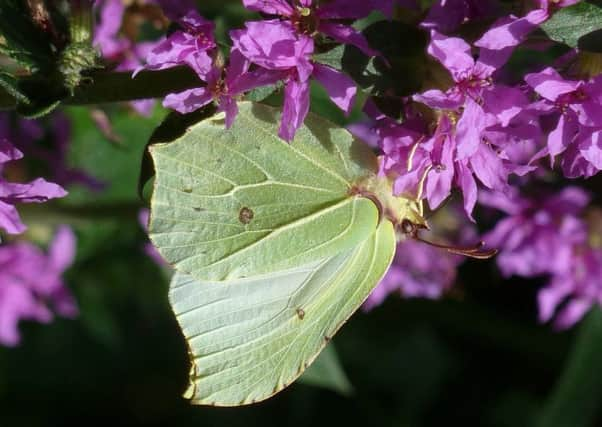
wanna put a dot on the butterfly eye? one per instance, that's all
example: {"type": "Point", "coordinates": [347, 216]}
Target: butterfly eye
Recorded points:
{"type": "Point", "coordinates": [408, 227]}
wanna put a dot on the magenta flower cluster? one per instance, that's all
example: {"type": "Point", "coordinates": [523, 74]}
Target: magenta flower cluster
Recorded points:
{"type": "Point", "coordinates": [485, 136]}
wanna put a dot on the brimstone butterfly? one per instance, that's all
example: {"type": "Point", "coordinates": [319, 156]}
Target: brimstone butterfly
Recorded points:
{"type": "Point", "coordinates": [275, 245]}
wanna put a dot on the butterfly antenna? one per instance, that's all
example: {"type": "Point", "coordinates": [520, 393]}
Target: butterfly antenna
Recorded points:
{"type": "Point", "coordinates": [475, 251]}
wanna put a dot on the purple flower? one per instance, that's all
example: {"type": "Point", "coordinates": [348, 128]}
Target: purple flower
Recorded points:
{"type": "Point", "coordinates": [510, 31]}
{"type": "Point", "coordinates": [188, 45]}
{"type": "Point", "coordinates": [578, 133]}
{"type": "Point", "coordinates": [36, 191]}
{"type": "Point", "coordinates": [471, 135]}
{"type": "Point", "coordinates": [224, 86]}
{"type": "Point", "coordinates": [546, 236]}
{"type": "Point", "coordinates": [31, 283]}
{"type": "Point", "coordinates": [276, 46]}
{"type": "Point", "coordinates": [539, 234]}
{"type": "Point", "coordinates": [194, 46]}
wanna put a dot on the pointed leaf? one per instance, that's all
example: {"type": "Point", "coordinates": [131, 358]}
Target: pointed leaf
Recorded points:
{"type": "Point", "coordinates": [571, 23]}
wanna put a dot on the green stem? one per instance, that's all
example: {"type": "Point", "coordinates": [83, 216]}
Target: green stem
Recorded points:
{"type": "Point", "coordinates": [108, 87]}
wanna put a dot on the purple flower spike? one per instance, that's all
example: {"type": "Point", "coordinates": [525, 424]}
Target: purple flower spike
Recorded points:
{"type": "Point", "coordinates": [31, 284]}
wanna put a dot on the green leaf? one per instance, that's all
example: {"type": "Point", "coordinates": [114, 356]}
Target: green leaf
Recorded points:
{"type": "Point", "coordinates": [332, 57]}
{"type": "Point", "coordinates": [237, 203]}
{"type": "Point", "coordinates": [250, 338]}
{"type": "Point", "coordinates": [576, 400]}
{"type": "Point", "coordinates": [327, 372]}
{"type": "Point", "coordinates": [569, 24]}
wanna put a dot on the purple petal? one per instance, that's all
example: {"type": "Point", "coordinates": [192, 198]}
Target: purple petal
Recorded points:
{"type": "Point", "coordinates": [453, 53]}
{"type": "Point", "coordinates": [36, 191]}
{"type": "Point", "coordinates": [548, 299]}
{"type": "Point", "coordinates": [188, 101]}
{"type": "Point", "coordinates": [504, 102]}
{"type": "Point", "coordinates": [271, 7]}
{"type": "Point", "coordinates": [144, 107]}
{"type": "Point", "coordinates": [561, 137]}
{"type": "Point", "coordinates": [296, 107]}
{"type": "Point", "coordinates": [592, 152]}
{"type": "Point", "coordinates": [111, 15]}
{"type": "Point", "coordinates": [341, 89]}
{"type": "Point", "coordinates": [589, 112]}
{"type": "Point", "coordinates": [572, 313]}
{"type": "Point", "coordinates": [511, 31]}
{"type": "Point", "coordinates": [574, 165]}
{"type": "Point", "coordinates": [257, 78]}
{"type": "Point", "coordinates": [10, 220]}
{"type": "Point", "coordinates": [230, 107]}
{"type": "Point", "coordinates": [488, 167]}
{"type": "Point", "coordinates": [468, 186]}
{"type": "Point", "coordinates": [273, 44]}
{"type": "Point", "coordinates": [440, 178]}
{"type": "Point", "coordinates": [470, 128]}
{"type": "Point", "coordinates": [61, 252]}
{"type": "Point", "coordinates": [237, 66]}
{"type": "Point", "coordinates": [550, 84]}
{"type": "Point", "coordinates": [434, 98]}
{"type": "Point", "coordinates": [347, 35]}
{"type": "Point", "coordinates": [8, 152]}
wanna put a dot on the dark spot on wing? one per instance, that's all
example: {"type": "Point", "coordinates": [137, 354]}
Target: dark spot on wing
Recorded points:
{"type": "Point", "coordinates": [245, 215]}
{"type": "Point", "coordinates": [300, 313]}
